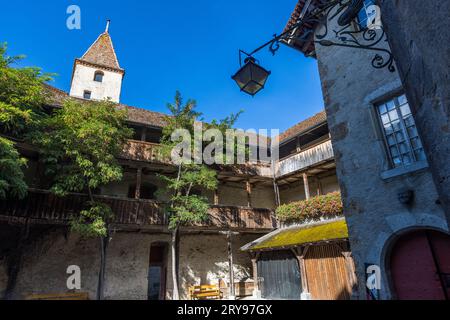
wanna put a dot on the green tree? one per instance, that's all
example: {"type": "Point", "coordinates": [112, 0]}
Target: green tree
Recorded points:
{"type": "Point", "coordinates": [187, 208]}
{"type": "Point", "coordinates": [22, 97]}
{"type": "Point", "coordinates": [80, 143]}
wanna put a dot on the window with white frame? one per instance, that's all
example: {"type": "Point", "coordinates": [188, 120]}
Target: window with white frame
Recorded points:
{"type": "Point", "coordinates": [403, 143]}
{"type": "Point", "coordinates": [367, 15]}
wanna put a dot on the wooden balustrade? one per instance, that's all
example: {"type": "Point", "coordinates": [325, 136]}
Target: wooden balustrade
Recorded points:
{"type": "Point", "coordinates": [305, 159]}
{"type": "Point", "coordinates": [143, 151]}
{"type": "Point", "coordinates": [44, 207]}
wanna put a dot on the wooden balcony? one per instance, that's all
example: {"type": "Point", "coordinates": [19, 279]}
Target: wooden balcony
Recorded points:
{"type": "Point", "coordinates": [45, 208]}
{"type": "Point", "coordinates": [305, 159]}
{"type": "Point", "coordinates": [143, 151]}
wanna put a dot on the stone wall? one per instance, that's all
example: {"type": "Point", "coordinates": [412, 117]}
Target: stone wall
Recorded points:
{"type": "Point", "coordinates": [419, 33]}
{"type": "Point", "coordinates": [374, 214]}
{"type": "Point", "coordinates": [203, 260]}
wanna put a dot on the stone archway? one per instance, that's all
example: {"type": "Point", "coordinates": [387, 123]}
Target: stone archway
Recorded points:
{"type": "Point", "coordinates": [419, 265]}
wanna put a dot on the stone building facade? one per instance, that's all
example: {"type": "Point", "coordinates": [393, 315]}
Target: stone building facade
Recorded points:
{"type": "Point", "coordinates": [37, 247]}
{"type": "Point", "coordinates": [391, 203]}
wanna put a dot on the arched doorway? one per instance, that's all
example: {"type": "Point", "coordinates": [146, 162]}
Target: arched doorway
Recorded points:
{"type": "Point", "coordinates": [420, 266]}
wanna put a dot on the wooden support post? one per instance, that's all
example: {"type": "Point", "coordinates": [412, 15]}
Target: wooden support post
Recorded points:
{"type": "Point", "coordinates": [350, 266]}
{"type": "Point", "coordinates": [216, 197]}
{"type": "Point", "coordinates": [306, 184]}
{"type": "Point", "coordinates": [298, 147]}
{"type": "Point", "coordinates": [254, 257]}
{"type": "Point", "coordinates": [319, 187]}
{"type": "Point", "coordinates": [231, 266]}
{"type": "Point", "coordinates": [277, 193]}
{"type": "Point", "coordinates": [144, 134]}
{"type": "Point", "coordinates": [138, 183]}
{"type": "Point", "coordinates": [300, 254]}
{"type": "Point", "coordinates": [249, 193]}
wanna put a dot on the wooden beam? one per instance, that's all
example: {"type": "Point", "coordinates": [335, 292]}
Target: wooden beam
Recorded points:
{"type": "Point", "coordinates": [277, 193]}
{"type": "Point", "coordinates": [138, 183]}
{"type": "Point", "coordinates": [319, 187]}
{"type": "Point", "coordinates": [216, 197]}
{"type": "Point", "coordinates": [231, 265]}
{"type": "Point", "coordinates": [349, 263]}
{"type": "Point", "coordinates": [144, 134]}
{"type": "Point", "coordinates": [306, 184]}
{"type": "Point", "coordinates": [249, 193]}
{"type": "Point", "coordinates": [300, 254]}
{"type": "Point", "coordinates": [254, 258]}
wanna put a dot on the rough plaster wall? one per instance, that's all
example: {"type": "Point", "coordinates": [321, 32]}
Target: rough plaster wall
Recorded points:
{"type": "Point", "coordinates": [371, 204]}
{"type": "Point", "coordinates": [83, 79]}
{"type": "Point", "coordinates": [127, 265]}
{"type": "Point", "coordinates": [120, 189]}
{"type": "Point", "coordinates": [44, 268]}
{"type": "Point", "coordinates": [203, 259]}
{"type": "Point", "coordinates": [236, 195]}
{"type": "Point", "coordinates": [296, 191]}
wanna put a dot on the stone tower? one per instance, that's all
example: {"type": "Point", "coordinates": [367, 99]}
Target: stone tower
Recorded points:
{"type": "Point", "coordinates": [97, 75]}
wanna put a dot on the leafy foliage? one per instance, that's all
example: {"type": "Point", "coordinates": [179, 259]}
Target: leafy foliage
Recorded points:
{"type": "Point", "coordinates": [21, 95]}
{"type": "Point", "coordinates": [92, 222]}
{"type": "Point", "coordinates": [327, 206]}
{"type": "Point", "coordinates": [11, 175]}
{"type": "Point", "coordinates": [188, 208]}
{"type": "Point", "coordinates": [80, 144]}
{"type": "Point", "coordinates": [21, 100]}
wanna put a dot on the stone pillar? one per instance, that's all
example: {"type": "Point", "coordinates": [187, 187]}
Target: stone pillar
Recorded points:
{"type": "Point", "coordinates": [419, 35]}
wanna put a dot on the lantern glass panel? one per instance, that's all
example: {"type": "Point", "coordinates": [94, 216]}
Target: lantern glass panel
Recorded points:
{"type": "Point", "coordinates": [251, 78]}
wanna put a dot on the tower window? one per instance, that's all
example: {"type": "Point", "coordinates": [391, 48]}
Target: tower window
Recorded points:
{"type": "Point", "coordinates": [98, 77]}
{"type": "Point", "coordinates": [403, 143]}
{"type": "Point", "coordinates": [87, 95]}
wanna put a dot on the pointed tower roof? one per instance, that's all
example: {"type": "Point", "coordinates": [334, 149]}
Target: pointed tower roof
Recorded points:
{"type": "Point", "coordinates": [101, 52]}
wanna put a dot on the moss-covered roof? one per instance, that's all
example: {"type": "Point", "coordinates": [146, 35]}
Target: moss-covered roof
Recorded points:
{"type": "Point", "coordinates": [296, 236]}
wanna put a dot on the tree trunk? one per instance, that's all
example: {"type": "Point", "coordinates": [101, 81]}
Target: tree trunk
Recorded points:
{"type": "Point", "coordinates": [419, 35]}
{"type": "Point", "coordinates": [101, 275]}
{"type": "Point", "coordinates": [174, 249]}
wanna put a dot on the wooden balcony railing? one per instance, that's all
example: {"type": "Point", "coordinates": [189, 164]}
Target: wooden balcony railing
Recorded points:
{"type": "Point", "coordinates": [304, 159]}
{"type": "Point", "coordinates": [143, 151]}
{"type": "Point", "coordinates": [44, 207]}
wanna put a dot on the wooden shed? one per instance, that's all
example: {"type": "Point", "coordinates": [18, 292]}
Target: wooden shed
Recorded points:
{"type": "Point", "coordinates": [304, 262]}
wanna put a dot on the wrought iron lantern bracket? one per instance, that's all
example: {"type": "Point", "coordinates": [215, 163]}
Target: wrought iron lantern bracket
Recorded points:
{"type": "Point", "coordinates": [343, 35]}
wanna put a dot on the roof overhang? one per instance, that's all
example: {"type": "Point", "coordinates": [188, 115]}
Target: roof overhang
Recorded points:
{"type": "Point", "coordinates": [296, 236]}
{"type": "Point", "coordinates": [302, 38]}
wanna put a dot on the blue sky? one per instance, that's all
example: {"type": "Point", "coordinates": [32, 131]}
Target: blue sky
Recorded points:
{"type": "Point", "coordinates": [191, 46]}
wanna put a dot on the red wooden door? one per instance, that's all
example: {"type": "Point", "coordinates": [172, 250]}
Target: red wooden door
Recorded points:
{"type": "Point", "coordinates": [420, 266]}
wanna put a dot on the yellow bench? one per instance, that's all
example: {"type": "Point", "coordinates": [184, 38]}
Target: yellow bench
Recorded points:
{"type": "Point", "coordinates": [63, 296]}
{"type": "Point", "coordinates": [205, 292]}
